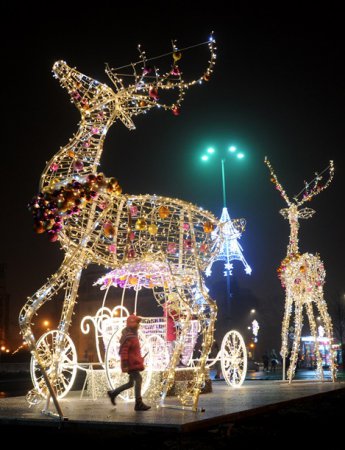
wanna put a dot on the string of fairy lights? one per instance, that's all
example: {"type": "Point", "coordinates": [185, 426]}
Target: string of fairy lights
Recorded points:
{"type": "Point", "coordinates": [303, 275]}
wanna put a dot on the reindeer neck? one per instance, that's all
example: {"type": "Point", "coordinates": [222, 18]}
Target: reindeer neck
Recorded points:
{"type": "Point", "coordinates": [81, 156]}
{"type": "Point", "coordinates": [294, 227]}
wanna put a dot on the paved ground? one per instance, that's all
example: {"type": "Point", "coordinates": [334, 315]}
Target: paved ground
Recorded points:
{"type": "Point", "coordinates": [221, 406]}
{"type": "Point", "coordinates": [259, 414]}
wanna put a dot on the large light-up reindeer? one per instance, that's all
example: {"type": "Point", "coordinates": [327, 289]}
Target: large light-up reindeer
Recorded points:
{"type": "Point", "coordinates": [96, 223]}
{"type": "Point", "coordinates": [303, 276]}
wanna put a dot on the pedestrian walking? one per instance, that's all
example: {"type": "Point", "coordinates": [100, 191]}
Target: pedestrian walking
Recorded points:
{"type": "Point", "coordinates": [131, 362]}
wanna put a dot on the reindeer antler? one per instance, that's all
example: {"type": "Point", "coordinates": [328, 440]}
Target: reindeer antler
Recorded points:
{"type": "Point", "coordinates": [275, 181]}
{"type": "Point", "coordinates": [314, 187]}
{"type": "Point", "coordinates": [143, 93]}
{"type": "Point", "coordinates": [310, 189]}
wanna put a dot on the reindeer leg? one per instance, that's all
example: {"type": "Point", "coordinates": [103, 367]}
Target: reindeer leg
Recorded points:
{"type": "Point", "coordinates": [327, 321]}
{"type": "Point", "coordinates": [296, 342]}
{"type": "Point", "coordinates": [71, 294]}
{"type": "Point", "coordinates": [313, 328]}
{"type": "Point", "coordinates": [285, 329]}
{"type": "Point", "coordinates": [54, 284]}
{"type": "Point", "coordinates": [169, 376]}
{"type": "Point", "coordinates": [207, 317]}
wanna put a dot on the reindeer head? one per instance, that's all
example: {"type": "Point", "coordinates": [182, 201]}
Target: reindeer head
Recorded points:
{"type": "Point", "coordinates": [310, 190]}
{"type": "Point", "coordinates": [292, 213]}
{"type": "Point", "coordinates": [136, 97]}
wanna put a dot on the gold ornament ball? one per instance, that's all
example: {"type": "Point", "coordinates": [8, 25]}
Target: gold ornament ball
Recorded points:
{"type": "Point", "coordinates": [108, 230]}
{"type": "Point", "coordinates": [208, 227]}
{"type": "Point", "coordinates": [140, 224]}
{"type": "Point", "coordinates": [163, 212]}
{"type": "Point", "coordinates": [152, 229]}
{"type": "Point", "coordinates": [177, 56]}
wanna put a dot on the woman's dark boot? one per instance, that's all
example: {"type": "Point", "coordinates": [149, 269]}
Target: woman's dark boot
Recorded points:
{"type": "Point", "coordinates": [140, 406]}
{"type": "Point", "coordinates": [112, 396]}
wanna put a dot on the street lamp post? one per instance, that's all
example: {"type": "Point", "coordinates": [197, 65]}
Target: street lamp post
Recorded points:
{"type": "Point", "coordinates": [232, 149]}
{"type": "Point", "coordinates": [223, 184]}
{"type": "Point", "coordinates": [231, 249]}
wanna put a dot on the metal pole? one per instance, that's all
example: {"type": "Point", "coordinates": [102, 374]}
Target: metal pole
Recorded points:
{"type": "Point", "coordinates": [223, 184]}
{"type": "Point", "coordinates": [227, 274]}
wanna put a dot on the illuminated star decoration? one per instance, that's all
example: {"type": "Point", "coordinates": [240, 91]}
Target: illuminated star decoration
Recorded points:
{"type": "Point", "coordinates": [231, 249]}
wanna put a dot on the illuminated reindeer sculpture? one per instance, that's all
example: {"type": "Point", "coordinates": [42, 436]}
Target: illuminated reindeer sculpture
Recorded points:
{"type": "Point", "coordinates": [96, 223]}
{"type": "Point", "coordinates": [303, 276]}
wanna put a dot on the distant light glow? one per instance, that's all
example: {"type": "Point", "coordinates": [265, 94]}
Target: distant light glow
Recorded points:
{"type": "Point", "coordinates": [321, 331]}
{"type": "Point", "coordinates": [204, 158]}
{"type": "Point", "coordinates": [240, 155]}
{"type": "Point", "coordinates": [252, 311]}
{"type": "Point", "coordinates": [210, 150]}
{"type": "Point", "coordinates": [255, 327]}
{"type": "Point", "coordinates": [232, 149]}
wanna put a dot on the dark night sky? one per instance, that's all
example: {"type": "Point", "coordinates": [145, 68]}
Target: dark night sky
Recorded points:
{"type": "Point", "coordinates": [277, 90]}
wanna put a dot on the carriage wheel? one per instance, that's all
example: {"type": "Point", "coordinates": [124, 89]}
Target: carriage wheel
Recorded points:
{"type": "Point", "coordinates": [233, 356]}
{"type": "Point", "coordinates": [59, 357]}
{"type": "Point", "coordinates": [113, 365]}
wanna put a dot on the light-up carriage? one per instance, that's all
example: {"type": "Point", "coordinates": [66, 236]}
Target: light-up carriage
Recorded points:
{"type": "Point", "coordinates": [150, 275]}
{"type": "Point", "coordinates": [156, 346]}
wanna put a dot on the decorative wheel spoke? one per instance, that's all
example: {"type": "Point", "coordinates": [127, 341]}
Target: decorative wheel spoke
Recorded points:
{"type": "Point", "coordinates": [233, 359]}
{"type": "Point", "coordinates": [61, 370]}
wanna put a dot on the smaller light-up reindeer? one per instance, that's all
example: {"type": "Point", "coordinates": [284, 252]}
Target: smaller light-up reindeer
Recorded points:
{"type": "Point", "coordinates": [303, 276]}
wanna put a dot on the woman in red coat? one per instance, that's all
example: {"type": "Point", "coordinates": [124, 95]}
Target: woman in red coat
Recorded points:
{"type": "Point", "coordinates": [131, 362]}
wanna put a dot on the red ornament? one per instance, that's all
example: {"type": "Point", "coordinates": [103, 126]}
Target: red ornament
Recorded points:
{"type": "Point", "coordinates": [153, 93]}
{"type": "Point", "coordinates": [78, 165]}
{"type": "Point", "coordinates": [176, 111]}
{"type": "Point", "coordinates": [175, 71]}
{"type": "Point", "coordinates": [131, 253]}
{"type": "Point", "coordinates": [203, 248]}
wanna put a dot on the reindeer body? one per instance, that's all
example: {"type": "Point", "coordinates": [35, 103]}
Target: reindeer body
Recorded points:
{"type": "Point", "coordinates": [303, 277]}
{"type": "Point", "coordinates": [128, 243]}
{"type": "Point", "coordinates": [95, 223]}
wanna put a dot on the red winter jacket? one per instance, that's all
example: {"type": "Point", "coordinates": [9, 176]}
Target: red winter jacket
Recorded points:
{"type": "Point", "coordinates": [130, 355]}
{"type": "Point", "coordinates": [171, 316]}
